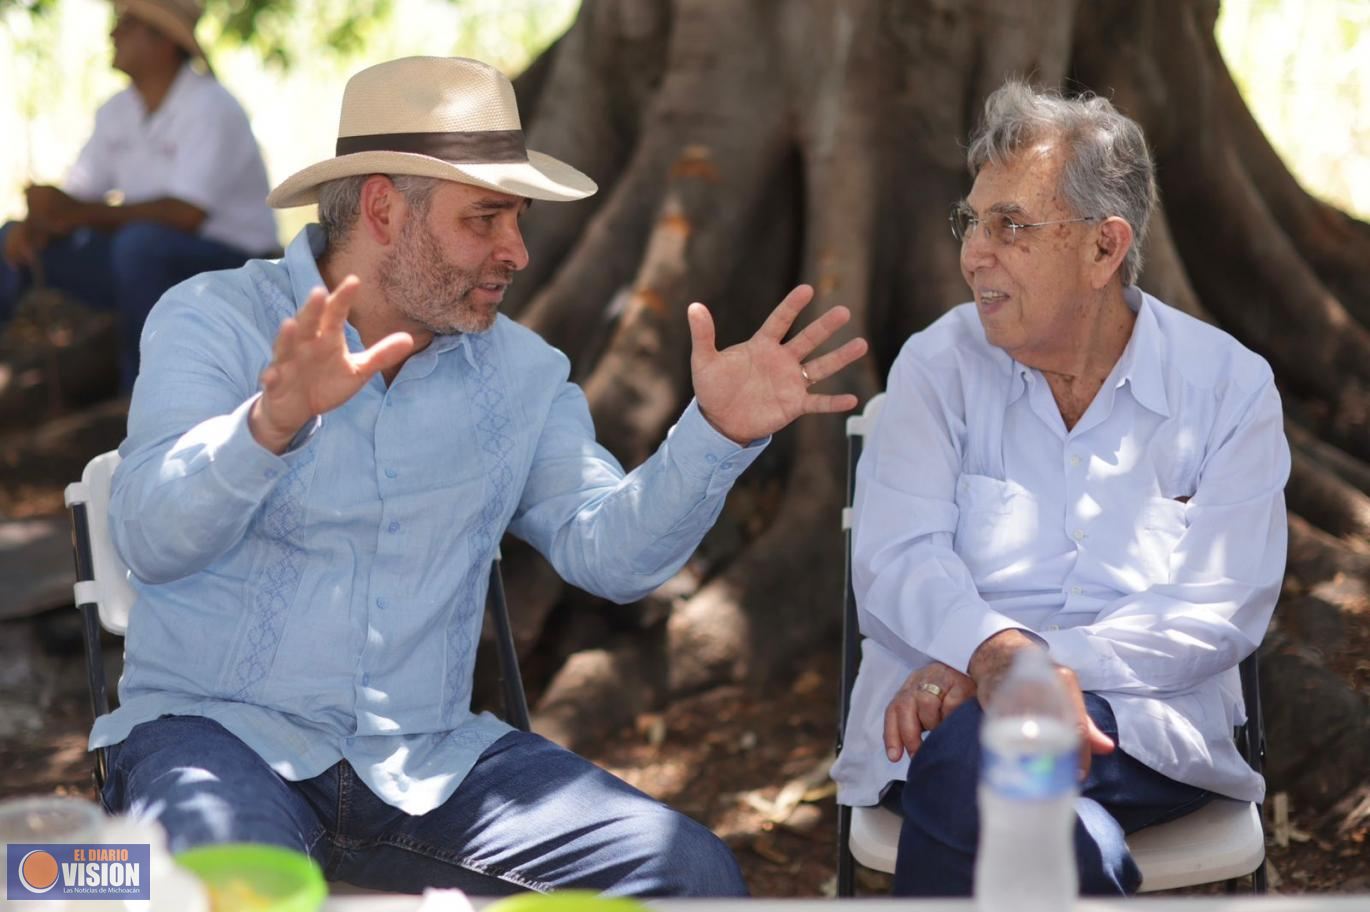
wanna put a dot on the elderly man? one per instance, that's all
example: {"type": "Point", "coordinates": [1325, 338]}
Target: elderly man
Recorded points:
{"type": "Point", "coordinates": [1064, 464]}
{"type": "Point", "coordinates": [179, 150]}
{"type": "Point", "coordinates": [323, 454]}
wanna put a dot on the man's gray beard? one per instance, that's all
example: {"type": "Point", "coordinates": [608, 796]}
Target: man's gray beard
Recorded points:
{"type": "Point", "coordinates": [416, 274]}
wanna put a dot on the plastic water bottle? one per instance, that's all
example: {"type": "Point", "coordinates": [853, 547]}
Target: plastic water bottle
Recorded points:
{"type": "Point", "coordinates": [1029, 778]}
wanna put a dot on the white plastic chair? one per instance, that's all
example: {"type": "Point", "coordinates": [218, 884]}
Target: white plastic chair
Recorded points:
{"type": "Point", "coordinates": [102, 592]}
{"type": "Point", "coordinates": [105, 597]}
{"type": "Point", "coordinates": [1221, 841]}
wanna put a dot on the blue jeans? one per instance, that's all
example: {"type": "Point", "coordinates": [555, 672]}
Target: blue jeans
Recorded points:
{"type": "Point", "coordinates": [529, 816]}
{"type": "Point", "coordinates": [123, 271]}
{"type": "Point", "coordinates": [942, 824]}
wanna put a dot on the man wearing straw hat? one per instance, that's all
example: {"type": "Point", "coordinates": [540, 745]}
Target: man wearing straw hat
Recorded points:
{"type": "Point", "coordinates": [179, 150]}
{"type": "Point", "coordinates": [323, 455]}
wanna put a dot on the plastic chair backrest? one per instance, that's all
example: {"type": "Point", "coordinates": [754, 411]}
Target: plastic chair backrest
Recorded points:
{"type": "Point", "coordinates": [109, 587]}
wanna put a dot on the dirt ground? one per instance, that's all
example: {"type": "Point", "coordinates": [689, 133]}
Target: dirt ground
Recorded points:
{"type": "Point", "coordinates": [751, 766]}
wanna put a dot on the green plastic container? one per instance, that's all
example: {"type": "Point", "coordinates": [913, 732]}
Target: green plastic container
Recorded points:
{"type": "Point", "coordinates": [243, 877]}
{"type": "Point", "coordinates": [566, 901]}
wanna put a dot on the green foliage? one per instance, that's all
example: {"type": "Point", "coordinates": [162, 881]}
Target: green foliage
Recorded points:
{"type": "Point", "coordinates": [342, 29]}
{"type": "Point", "coordinates": [267, 26]}
{"type": "Point", "coordinates": [1301, 69]}
{"type": "Point", "coordinates": [35, 7]}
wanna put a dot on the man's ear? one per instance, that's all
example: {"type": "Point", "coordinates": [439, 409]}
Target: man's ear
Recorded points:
{"type": "Point", "coordinates": [382, 210]}
{"type": "Point", "coordinates": [1112, 241]}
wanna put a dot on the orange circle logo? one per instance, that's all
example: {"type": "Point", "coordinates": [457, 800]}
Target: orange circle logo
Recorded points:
{"type": "Point", "coordinates": [38, 871]}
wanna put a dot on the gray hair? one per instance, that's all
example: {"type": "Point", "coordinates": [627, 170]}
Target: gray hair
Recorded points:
{"type": "Point", "coordinates": [1108, 169]}
{"type": "Point", "coordinates": [340, 202]}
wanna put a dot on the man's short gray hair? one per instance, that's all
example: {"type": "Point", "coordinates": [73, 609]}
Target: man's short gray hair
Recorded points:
{"type": "Point", "coordinates": [340, 202]}
{"type": "Point", "coordinates": [1108, 169]}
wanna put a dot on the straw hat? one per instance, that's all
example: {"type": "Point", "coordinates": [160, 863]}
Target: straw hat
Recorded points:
{"type": "Point", "coordinates": [173, 18]}
{"type": "Point", "coordinates": [445, 117]}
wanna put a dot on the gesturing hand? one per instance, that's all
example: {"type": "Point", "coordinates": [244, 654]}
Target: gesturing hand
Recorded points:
{"type": "Point", "coordinates": [759, 386]}
{"type": "Point", "coordinates": [311, 370]}
{"type": "Point", "coordinates": [921, 703]}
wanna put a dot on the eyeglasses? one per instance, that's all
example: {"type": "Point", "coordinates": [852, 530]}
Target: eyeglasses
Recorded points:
{"type": "Point", "coordinates": [998, 226]}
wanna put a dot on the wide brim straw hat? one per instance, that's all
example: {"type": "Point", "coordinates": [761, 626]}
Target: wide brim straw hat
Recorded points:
{"type": "Point", "coordinates": [173, 18]}
{"type": "Point", "coordinates": [450, 118]}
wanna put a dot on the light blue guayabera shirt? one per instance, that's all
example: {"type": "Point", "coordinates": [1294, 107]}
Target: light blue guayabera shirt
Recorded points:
{"type": "Point", "coordinates": [326, 604]}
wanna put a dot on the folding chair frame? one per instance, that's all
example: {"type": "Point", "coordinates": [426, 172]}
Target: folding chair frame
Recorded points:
{"type": "Point", "coordinates": [87, 599]}
{"type": "Point", "coordinates": [1250, 737]}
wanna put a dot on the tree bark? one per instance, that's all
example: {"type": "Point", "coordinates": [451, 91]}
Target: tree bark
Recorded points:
{"type": "Point", "coordinates": [744, 147]}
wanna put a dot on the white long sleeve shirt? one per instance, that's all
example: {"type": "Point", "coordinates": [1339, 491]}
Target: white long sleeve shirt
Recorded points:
{"type": "Point", "coordinates": [1146, 545]}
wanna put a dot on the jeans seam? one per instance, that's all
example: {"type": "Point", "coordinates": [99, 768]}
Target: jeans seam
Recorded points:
{"type": "Point", "coordinates": [339, 842]}
{"type": "Point", "coordinates": [406, 844]}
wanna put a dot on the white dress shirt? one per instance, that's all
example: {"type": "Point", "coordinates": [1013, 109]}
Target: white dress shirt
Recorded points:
{"type": "Point", "coordinates": [1145, 545]}
{"type": "Point", "coordinates": [197, 147]}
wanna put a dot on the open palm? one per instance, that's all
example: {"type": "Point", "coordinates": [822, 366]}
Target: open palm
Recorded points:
{"type": "Point", "coordinates": [755, 388]}
{"type": "Point", "coordinates": [312, 371]}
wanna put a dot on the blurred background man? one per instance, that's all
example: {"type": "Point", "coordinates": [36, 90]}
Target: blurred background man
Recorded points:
{"type": "Point", "coordinates": [178, 151]}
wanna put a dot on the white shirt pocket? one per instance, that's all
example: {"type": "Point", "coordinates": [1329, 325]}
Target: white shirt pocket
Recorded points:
{"type": "Point", "coordinates": [997, 527]}
{"type": "Point", "coordinates": [1161, 524]}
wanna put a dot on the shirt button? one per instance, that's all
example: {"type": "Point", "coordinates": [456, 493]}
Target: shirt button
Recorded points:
{"type": "Point", "coordinates": [1076, 590]}
{"type": "Point", "coordinates": [393, 527]}
{"type": "Point", "coordinates": [380, 603]}
{"type": "Point", "coordinates": [270, 473]}
{"type": "Point", "coordinates": [1079, 535]}
{"type": "Point", "coordinates": [1074, 459]}
{"type": "Point", "coordinates": [727, 466]}
{"type": "Point", "coordinates": [1052, 627]}
{"type": "Point", "coordinates": [366, 680]}
{"type": "Point", "coordinates": [391, 473]}
{"type": "Point", "coordinates": [711, 459]}
{"type": "Point", "coordinates": [350, 739]}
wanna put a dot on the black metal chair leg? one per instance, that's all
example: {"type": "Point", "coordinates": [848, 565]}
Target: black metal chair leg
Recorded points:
{"type": "Point", "coordinates": [510, 679]}
{"type": "Point", "coordinates": [846, 865]}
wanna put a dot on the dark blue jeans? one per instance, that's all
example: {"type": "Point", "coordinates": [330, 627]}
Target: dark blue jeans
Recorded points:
{"type": "Point", "coordinates": [123, 271]}
{"type": "Point", "coordinates": [529, 816]}
{"type": "Point", "coordinates": [942, 823]}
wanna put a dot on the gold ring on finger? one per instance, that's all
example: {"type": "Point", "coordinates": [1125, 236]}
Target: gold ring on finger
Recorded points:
{"type": "Point", "coordinates": [929, 687]}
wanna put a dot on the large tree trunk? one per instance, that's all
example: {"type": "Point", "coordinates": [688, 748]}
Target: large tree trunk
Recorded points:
{"type": "Point", "coordinates": [742, 147]}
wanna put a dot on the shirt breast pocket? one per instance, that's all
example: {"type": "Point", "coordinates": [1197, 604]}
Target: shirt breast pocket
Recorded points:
{"type": "Point", "coordinates": [1161, 524]}
{"type": "Point", "coordinates": [996, 527]}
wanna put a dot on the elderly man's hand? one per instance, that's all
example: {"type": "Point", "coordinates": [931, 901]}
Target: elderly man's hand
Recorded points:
{"type": "Point", "coordinates": [991, 661]}
{"type": "Point", "coordinates": [757, 387]}
{"type": "Point", "coordinates": [925, 699]}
